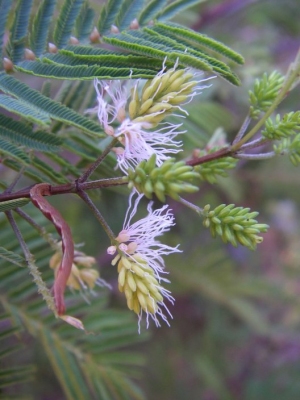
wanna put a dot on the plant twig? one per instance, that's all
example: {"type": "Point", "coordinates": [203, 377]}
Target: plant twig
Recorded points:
{"type": "Point", "coordinates": [95, 165]}
{"type": "Point", "coordinates": [97, 214]}
{"type": "Point", "coordinates": [42, 288]}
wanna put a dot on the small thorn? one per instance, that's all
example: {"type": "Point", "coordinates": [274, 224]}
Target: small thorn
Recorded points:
{"type": "Point", "coordinates": [74, 40]}
{"type": "Point", "coordinates": [134, 24]}
{"type": "Point", "coordinates": [52, 48]}
{"type": "Point", "coordinates": [8, 65]}
{"type": "Point", "coordinates": [95, 35]}
{"type": "Point", "coordinates": [29, 54]}
{"type": "Point", "coordinates": [114, 29]}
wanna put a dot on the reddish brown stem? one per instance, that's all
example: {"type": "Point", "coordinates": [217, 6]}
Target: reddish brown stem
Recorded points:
{"type": "Point", "coordinates": [37, 194]}
{"type": "Point", "coordinates": [209, 157]}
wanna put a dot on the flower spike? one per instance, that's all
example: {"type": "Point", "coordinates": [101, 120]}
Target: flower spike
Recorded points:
{"type": "Point", "coordinates": [140, 262]}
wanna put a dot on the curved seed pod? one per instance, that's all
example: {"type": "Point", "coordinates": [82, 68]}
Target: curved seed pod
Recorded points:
{"type": "Point", "coordinates": [37, 194]}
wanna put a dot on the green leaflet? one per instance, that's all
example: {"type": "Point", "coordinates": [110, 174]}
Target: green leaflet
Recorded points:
{"type": "Point", "coordinates": [44, 167]}
{"type": "Point", "coordinates": [67, 167]}
{"type": "Point", "coordinates": [201, 40]}
{"type": "Point", "coordinates": [9, 150]}
{"type": "Point", "coordinates": [31, 173]}
{"type": "Point", "coordinates": [141, 46]}
{"type": "Point", "coordinates": [176, 7]}
{"type": "Point", "coordinates": [154, 36]}
{"type": "Point", "coordinates": [150, 11]}
{"type": "Point", "coordinates": [65, 366]}
{"type": "Point", "coordinates": [24, 110]}
{"type": "Point", "coordinates": [82, 72]}
{"type": "Point", "coordinates": [108, 15]}
{"type": "Point", "coordinates": [55, 110]}
{"type": "Point", "coordinates": [11, 204]}
{"type": "Point", "coordinates": [66, 21]}
{"type": "Point", "coordinates": [15, 376]}
{"type": "Point", "coordinates": [4, 9]}
{"type": "Point", "coordinates": [10, 256]}
{"type": "Point", "coordinates": [123, 61]}
{"type": "Point", "coordinates": [128, 12]}
{"type": "Point", "coordinates": [84, 22]}
{"type": "Point", "coordinates": [18, 32]}
{"type": "Point", "coordinates": [40, 26]}
{"type": "Point", "coordinates": [22, 134]}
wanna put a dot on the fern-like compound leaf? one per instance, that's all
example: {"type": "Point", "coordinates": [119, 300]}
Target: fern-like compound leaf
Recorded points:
{"type": "Point", "coordinates": [24, 109]}
{"type": "Point", "coordinates": [175, 8]}
{"type": "Point", "coordinates": [128, 12]}
{"type": "Point", "coordinates": [66, 21]}
{"type": "Point", "coordinates": [201, 40]}
{"type": "Point", "coordinates": [108, 15]}
{"type": "Point", "coordinates": [83, 72]}
{"type": "Point", "coordinates": [5, 254]}
{"type": "Point", "coordinates": [10, 150]}
{"type": "Point", "coordinates": [10, 205]}
{"type": "Point", "coordinates": [4, 10]}
{"type": "Point", "coordinates": [18, 33]}
{"type": "Point", "coordinates": [150, 11]}
{"type": "Point", "coordinates": [84, 23]}
{"type": "Point", "coordinates": [22, 134]}
{"type": "Point", "coordinates": [55, 110]}
{"type": "Point", "coordinates": [40, 26]}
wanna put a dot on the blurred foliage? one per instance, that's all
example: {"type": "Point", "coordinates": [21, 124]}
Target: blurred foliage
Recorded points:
{"type": "Point", "coordinates": [234, 333]}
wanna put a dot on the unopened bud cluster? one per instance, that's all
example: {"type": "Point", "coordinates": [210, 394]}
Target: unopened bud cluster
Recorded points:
{"type": "Point", "coordinates": [234, 225]}
{"type": "Point", "coordinates": [211, 170]}
{"type": "Point", "coordinates": [170, 179]}
{"type": "Point", "coordinates": [284, 127]}
{"type": "Point", "coordinates": [137, 281]}
{"type": "Point", "coordinates": [160, 96]}
{"type": "Point", "coordinates": [291, 147]}
{"type": "Point", "coordinates": [264, 93]}
{"type": "Point", "coordinates": [82, 276]}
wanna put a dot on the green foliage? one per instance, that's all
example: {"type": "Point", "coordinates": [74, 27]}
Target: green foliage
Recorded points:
{"type": "Point", "coordinates": [150, 11]}
{"type": "Point", "coordinates": [201, 40]}
{"type": "Point", "coordinates": [67, 17]}
{"type": "Point", "coordinates": [18, 32]}
{"type": "Point", "coordinates": [84, 22]}
{"type": "Point", "coordinates": [81, 72]}
{"type": "Point", "coordinates": [10, 150]}
{"type": "Point", "coordinates": [40, 26]}
{"type": "Point", "coordinates": [7, 255]}
{"type": "Point", "coordinates": [283, 127]}
{"type": "Point", "coordinates": [108, 15]}
{"type": "Point", "coordinates": [175, 8]}
{"type": "Point", "coordinates": [85, 365]}
{"type": "Point", "coordinates": [291, 147]}
{"type": "Point", "coordinates": [129, 10]}
{"type": "Point", "coordinates": [11, 204]}
{"type": "Point", "coordinates": [164, 40]}
{"type": "Point", "coordinates": [170, 179]}
{"type": "Point", "coordinates": [45, 106]}
{"type": "Point", "coordinates": [210, 171]}
{"type": "Point", "coordinates": [4, 10]}
{"type": "Point", "coordinates": [264, 93]}
{"type": "Point", "coordinates": [22, 134]}
{"type": "Point", "coordinates": [234, 225]}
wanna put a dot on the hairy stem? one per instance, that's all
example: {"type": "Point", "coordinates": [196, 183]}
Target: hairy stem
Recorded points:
{"type": "Point", "coordinates": [42, 288]}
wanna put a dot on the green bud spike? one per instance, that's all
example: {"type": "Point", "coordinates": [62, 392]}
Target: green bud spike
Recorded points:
{"type": "Point", "coordinates": [234, 225]}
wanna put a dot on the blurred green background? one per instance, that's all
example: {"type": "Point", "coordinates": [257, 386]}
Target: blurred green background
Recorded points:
{"type": "Point", "coordinates": [235, 333]}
